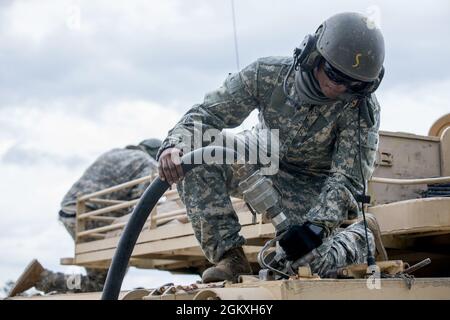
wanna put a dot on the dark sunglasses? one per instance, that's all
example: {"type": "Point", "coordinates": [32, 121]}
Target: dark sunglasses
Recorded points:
{"type": "Point", "coordinates": [340, 78]}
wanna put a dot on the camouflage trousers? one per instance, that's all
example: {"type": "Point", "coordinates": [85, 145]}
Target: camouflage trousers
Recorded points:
{"type": "Point", "coordinates": [345, 247]}
{"type": "Point", "coordinates": [60, 282]}
{"type": "Point", "coordinates": [206, 192]}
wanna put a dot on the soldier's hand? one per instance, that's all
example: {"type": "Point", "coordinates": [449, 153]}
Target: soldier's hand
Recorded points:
{"type": "Point", "coordinates": [169, 165]}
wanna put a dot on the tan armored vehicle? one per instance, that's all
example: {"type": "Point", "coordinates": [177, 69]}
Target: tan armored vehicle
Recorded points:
{"type": "Point", "coordinates": [410, 197]}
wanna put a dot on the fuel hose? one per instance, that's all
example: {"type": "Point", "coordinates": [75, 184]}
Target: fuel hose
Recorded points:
{"type": "Point", "coordinates": [149, 199]}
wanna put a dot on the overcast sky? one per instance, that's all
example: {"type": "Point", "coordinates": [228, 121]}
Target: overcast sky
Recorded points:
{"type": "Point", "coordinates": [80, 77]}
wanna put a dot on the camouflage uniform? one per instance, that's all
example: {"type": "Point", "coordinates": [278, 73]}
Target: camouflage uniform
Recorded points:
{"type": "Point", "coordinates": [319, 169]}
{"type": "Point", "coordinates": [112, 168]}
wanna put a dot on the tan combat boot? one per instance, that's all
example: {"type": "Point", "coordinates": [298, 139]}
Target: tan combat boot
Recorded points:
{"type": "Point", "coordinates": [233, 263]}
{"type": "Point", "coordinates": [28, 279]}
{"type": "Point", "coordinates": [372, 224]}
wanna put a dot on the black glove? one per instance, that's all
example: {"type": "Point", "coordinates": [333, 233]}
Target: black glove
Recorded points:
{"type": "Point", "coordinates": [300, 240]}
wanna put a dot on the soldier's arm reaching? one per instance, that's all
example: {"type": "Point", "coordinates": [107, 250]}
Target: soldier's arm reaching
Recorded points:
{"type": "Point", "coordinates": [339, 193]}
{"type": "Point", "coordinates": [226, 107]}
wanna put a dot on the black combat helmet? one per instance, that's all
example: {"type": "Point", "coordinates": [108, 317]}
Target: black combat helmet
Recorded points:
{"type": "Point", "coordinates": [353, 44]}
{"type": "Point", "coordinates": [151, 146]}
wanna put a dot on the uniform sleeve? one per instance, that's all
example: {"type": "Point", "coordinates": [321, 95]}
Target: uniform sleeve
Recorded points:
{"type": "Point", "coordinates": [226, 107]}
{"type": "Point", "coordinates": [337, 200]}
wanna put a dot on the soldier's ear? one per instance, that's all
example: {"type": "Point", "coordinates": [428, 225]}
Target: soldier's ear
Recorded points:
{"type": "Point", "coordinates": [306, 55]}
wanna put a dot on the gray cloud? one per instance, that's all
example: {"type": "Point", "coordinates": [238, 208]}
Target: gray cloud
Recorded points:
{"type": "Point", "coordinates": [58, 86]}
{"type": "Point", "coordinates": [20, 156]}
{"type": "Point", "coordinates": [178, 61]}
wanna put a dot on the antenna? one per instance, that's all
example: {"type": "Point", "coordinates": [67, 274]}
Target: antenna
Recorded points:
{"type": "Point", "coordinates": [236, 49]}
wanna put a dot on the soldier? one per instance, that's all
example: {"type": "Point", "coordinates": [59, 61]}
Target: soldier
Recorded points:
{"type": "Point", "coordinates": [114, 167]}
{"type": "Point", "coordinates": [321, 110]}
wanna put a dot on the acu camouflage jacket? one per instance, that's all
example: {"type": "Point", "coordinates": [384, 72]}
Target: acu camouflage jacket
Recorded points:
{"type": "Point", "coordinates": [314, 139]}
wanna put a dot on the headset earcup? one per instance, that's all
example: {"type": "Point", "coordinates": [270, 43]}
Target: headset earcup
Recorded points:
{"type": "Point", "coordinates": [376, 83]}
{"type": "Point", "coordinates": [305, 47]}
{"type": "Point", "coordinates": [307, 55]}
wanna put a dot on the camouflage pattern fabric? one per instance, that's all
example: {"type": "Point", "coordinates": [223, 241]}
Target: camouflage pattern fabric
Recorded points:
{"type": "Point", "coordinates": [57, 281]}
{"type": "Point", "coordinates": [344, 248]}
{"type": "Point", "coordinates": [111, 168]}
{"type": "Point", "coordinates": [114, 167]}
{"type": "Point", "coordinates": [319, 168]}
{"type": "Point", "coordinates": [93, 281]}
{"type": "Point", "coordinates": [206, 192]}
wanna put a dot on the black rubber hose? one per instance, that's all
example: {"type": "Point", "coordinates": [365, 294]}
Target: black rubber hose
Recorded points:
{"type": "Point", "coordinates": [141, 212]}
